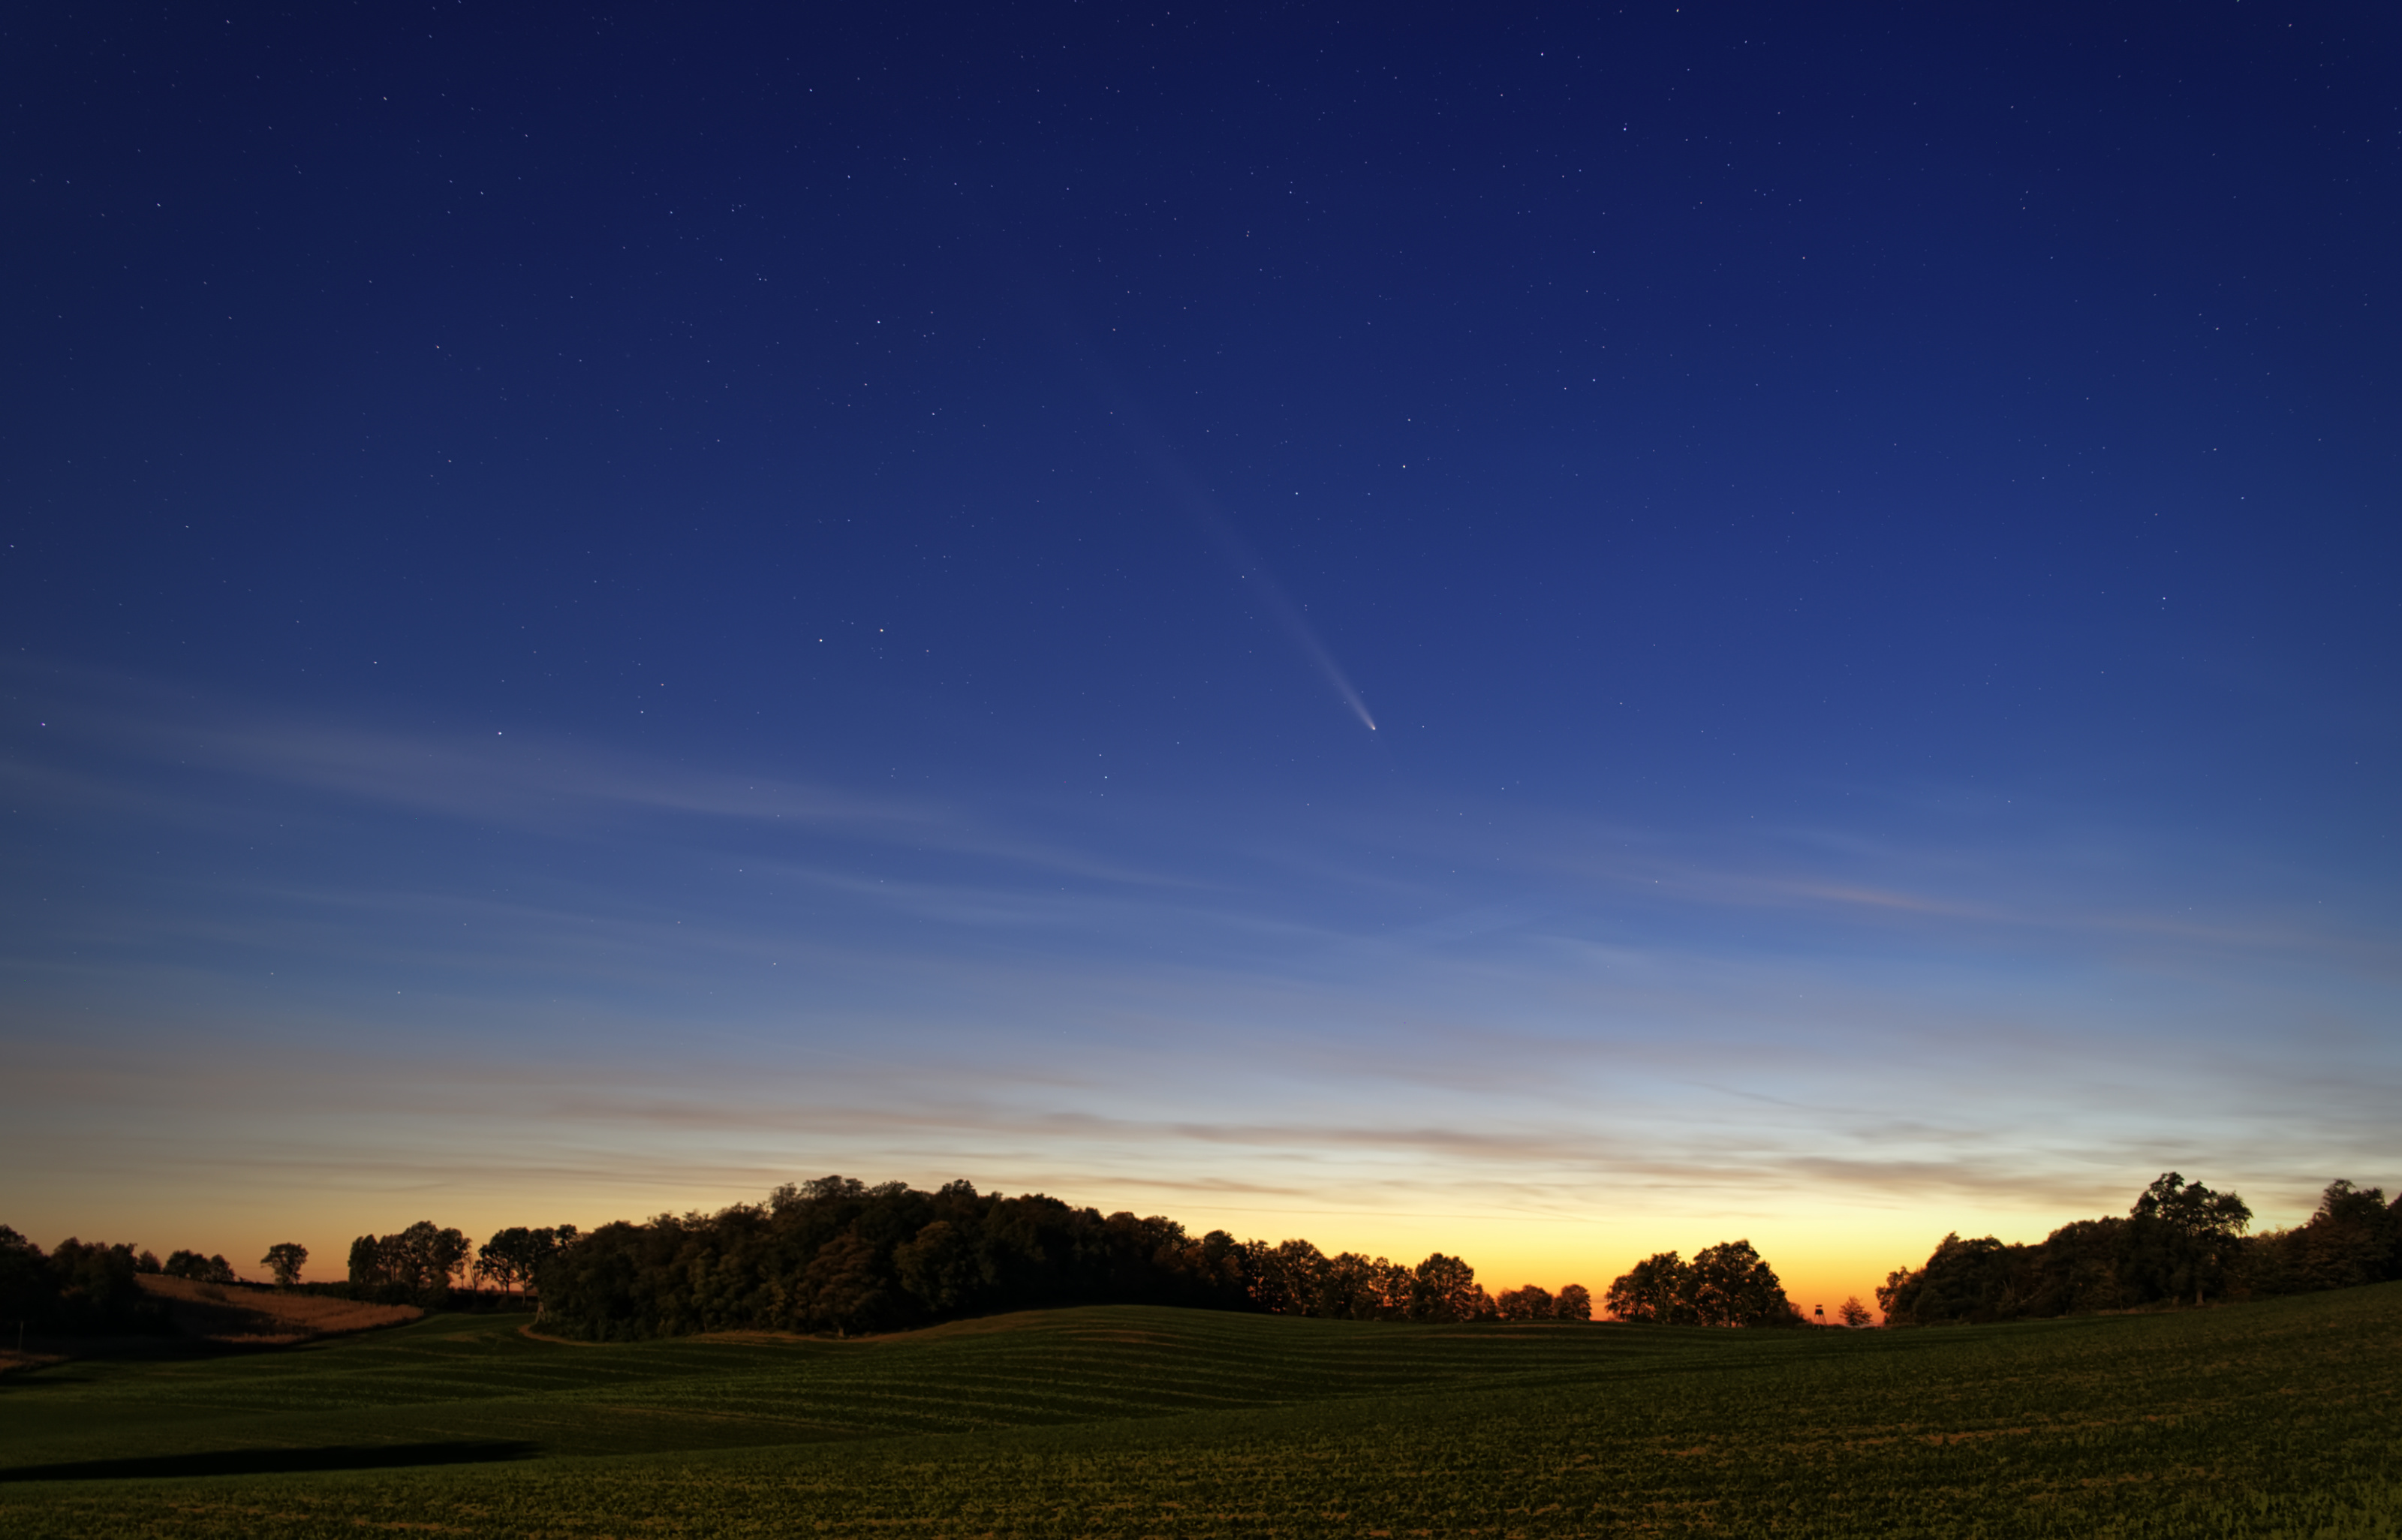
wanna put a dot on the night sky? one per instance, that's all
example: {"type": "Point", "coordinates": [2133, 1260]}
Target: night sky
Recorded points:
{"type": "Point", "coordinates": [1553, 634]}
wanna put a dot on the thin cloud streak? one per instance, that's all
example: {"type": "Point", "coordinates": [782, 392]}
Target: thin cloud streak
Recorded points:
{"type": "Point", "coordinates": [557, 788]}
{"type": "Point", "coordinates": [533, 782]}
{"type": "Point", "coordinates": [654, 974]}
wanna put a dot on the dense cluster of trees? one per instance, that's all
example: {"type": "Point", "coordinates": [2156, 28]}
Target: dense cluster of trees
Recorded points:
{"type": "Point", "coordinates": [82, 1288]}
{"type": "Point", "coordinates": [192, 1265]}
{"type": "Point", "coordinates": [1727, 1285]}
{"type": "Point", "coordinates": [419, 1265]}
{"type": "Point", "coordinates": [2354, 1237]}
{"type": "Point", "coordinates": [418, 1261]}
{"type": "Point", "coordinates": [835, 1254]}
{"type": "Point", "coordinates": [1529, 1303]}
{"type": "Point", "coordinates": [1295, 1278]}
{"type": "Point", "coordinates": [2180, 1242]}
{"type": "Point", "coordinates": [92, 1289]}
{"type": "Point", "coordinates": [513, 1259]}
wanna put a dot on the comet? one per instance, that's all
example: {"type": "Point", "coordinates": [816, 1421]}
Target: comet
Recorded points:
{"type": "Point", "coordinates": [1296, 626]}
{"type": "Point", "coordinates": [1205, 511]}
{"type": "Point", "coordinates": [1131, 421]}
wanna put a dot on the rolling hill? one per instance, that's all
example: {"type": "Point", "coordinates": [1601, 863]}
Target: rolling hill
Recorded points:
{"type": "Point", "coordinates": [2268, 1419]}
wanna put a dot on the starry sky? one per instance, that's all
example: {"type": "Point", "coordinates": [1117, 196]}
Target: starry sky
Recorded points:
{"type": "Point", "coordinates": [1550, 632]}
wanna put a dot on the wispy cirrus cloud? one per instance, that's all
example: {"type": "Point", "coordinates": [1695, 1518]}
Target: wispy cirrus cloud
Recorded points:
{"type": "Point", "coordinates": [133, 747]}
{"type": "Point", "coordinates": [635, 973]}
{"type": "Point", "coordinates": [1391, 872]}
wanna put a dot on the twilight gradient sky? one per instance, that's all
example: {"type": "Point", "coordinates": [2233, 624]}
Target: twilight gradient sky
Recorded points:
{"type": "Point", "coordinates": [603, 610]}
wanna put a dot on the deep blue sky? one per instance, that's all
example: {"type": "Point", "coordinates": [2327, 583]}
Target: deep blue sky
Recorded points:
{"type": "Point", "coordinates": [601, 609]}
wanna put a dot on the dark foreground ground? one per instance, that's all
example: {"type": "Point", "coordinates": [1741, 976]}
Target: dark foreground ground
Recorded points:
{"type": "Point", "coordinates": [2270, 1419]}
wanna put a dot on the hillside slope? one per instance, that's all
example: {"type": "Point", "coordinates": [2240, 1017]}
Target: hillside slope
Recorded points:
{"type": "Point", "coordinates": [264, 1316]}
{"type": "Point", "coordinates": [2253, 1419]}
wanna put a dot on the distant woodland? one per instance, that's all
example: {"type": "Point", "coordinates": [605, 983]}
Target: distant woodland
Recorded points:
{"type": "Point", "coordinates": [836, 1255]}
{"type": "Point", "coordinates": [2179, 1243]}
{"type": "Point", "coordinates": [90, 1288]}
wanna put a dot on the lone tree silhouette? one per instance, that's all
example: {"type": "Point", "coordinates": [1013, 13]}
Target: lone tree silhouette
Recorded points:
{"type": "Point", "coordinates": [285, 1260]}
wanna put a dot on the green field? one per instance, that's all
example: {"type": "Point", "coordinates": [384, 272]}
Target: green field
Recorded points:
{"type": "Point", "coordinates": [2274, 1419]}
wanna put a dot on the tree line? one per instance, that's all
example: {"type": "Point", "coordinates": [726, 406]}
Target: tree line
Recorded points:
{"type": "Point", "coordinates": [87, 1288]}
{"type": "Point", "coordinates": [82, 1289]}
{"type": "Point", "coordinates": [92, 1289]}
{"type": "Point", "coordinates": [419, 1265]}
{"type": "Point", "coordinates": [2180, 1242]}
{"type": "Point", "coordinates": [835, 1254]}
{"type": "Point", "coordinates": [1727, 1285]}
{"type": "Point", "coordinates": [1295, 1278]}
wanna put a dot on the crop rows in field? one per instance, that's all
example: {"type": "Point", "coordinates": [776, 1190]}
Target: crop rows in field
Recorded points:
{"type": "Point", "coordinates": [1147, 1364]}
{"type": "Point", "coordinates": [2261, 1420]}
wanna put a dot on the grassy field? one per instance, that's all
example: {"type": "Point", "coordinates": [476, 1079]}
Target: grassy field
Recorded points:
{"type": "Point", "coordinates": [264, 1316]}
{"type": "Point", "coordinates": [2259, 1420]}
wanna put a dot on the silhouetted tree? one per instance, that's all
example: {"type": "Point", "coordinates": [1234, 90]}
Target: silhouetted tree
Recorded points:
{"type": "Point", "coordinates": [1286, 1278]}
{"type": "Point", "coordinates": [2193, 1208]}
{"type": "Point", "coordinates": [82, 1288]}
{"type": "Point", "coordinates": [1854, 1313]}
{"type": "Point", "coordinates": [418, 1261]}
{"type": "Point", "coordinates": [2354, 1237]}
{"type": "Point", "coordinates": [285, 1260]}
{"type": "Point", "coordinates": [26, 1289]}
{"type": "Point", "coordinates": [1354, 1288]}
{"type": "Point", "coordinates": [1527, 1302]}
{"type": "Point", "coordinates": [1445, 1288]}
{"type": "Point", "coordinates": [1963, 1281]}
{"type": "Point", "coordinates": [367, 1267]}
{"type": "Point", "coordinates": [1575, 1303]}
{"type": "Point", "coordinates": [432, 1255]}
{"type": "Point", "coordinates": [2203, 1229]}
{"type": "Point", "coordinates": [2178, 1241]}
{"type": "Point", "coordinates": [1731, 1284]}
{"type": "Point", "coordinates": [1727, 1285]}
{"type": "Point", "coordinates": [1654, 1291]}
{"type": "Point", "coordinates": [199, 1269]}
{"type": "Point", "coordinates": [2084, 1266]}
{"type": "Point", "coordinates": [513, 1257]}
